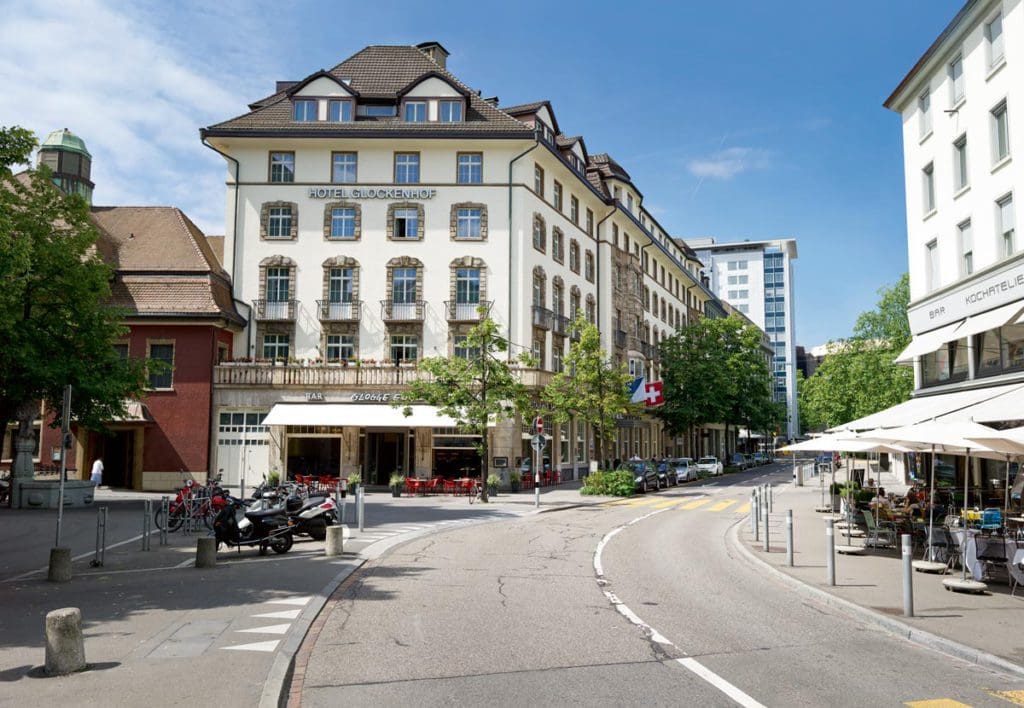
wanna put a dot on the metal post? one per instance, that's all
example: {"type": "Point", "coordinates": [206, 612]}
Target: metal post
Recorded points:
{"type": "Point", "coordinates": [753, 514]}
{"type": "Point", "coordinates": [147, 516]}
{"type": "Point", "coordinates": [789, 537]}
{"type": "Point", "coordinates": [766, 546]}
{"type": "Point", "coordinates": [796, 479]}
{"type": "Point", "coordinates": [360, 511]}
{"type": "Point", "coordinates": [771, 498]}
{"type": "Point", "coordinates": [536, 478]}
{"type": "Point", "coordinates": [757, 514]}
{"type": "Point", "coordinates": [830, 551]}
{"type": "Point", "coordinates": [908, 575]}
{"type": "Point", "coordinates": [241, 487]}
{"type": "Point", "coordinates": [65, 431]}
{"type": "Point", "coordinates": [101, 538]}
{"type": "Point", "coordinates": [165, 513]}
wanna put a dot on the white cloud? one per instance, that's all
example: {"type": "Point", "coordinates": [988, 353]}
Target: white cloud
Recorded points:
{"type": "Point", "coordinates": [136, 82]}
{"type": "Point", "coordinates": [727, 163]}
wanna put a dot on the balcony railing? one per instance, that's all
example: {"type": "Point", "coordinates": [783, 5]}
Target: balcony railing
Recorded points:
{"type": "Point", "coordinates": [561, 325]}
{"type": "Point", "coordinates": [542, 317]}
{"type": "Point", "coordinates": [391, 311]}
{"type": "Point", "coordinates": [311, 376]}
{"type": "Point", "coordinates": [467, 311]}
{"type": "Point", "coordinates": [339, 311]}
{"type": "Point", "coordinates": [620, 338]}
{"type": "Point", "coordinates": [275, 310]}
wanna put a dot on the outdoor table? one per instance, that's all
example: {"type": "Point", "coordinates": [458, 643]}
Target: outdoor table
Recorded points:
{"type": "Point", "coordinates": [1014, 552]}
{"type": "Point", "coordinates": [414, 485]}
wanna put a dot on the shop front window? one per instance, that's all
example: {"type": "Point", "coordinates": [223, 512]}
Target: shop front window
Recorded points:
{"type": "Point", "coordinates": [946, 365]}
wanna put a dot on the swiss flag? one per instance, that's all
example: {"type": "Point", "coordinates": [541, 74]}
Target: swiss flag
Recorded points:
{"type": "Point", "coordinates": [654, 394]}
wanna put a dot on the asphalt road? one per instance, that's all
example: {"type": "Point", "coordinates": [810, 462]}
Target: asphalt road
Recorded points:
{"type": "Point", "coordinates": [514, 613]}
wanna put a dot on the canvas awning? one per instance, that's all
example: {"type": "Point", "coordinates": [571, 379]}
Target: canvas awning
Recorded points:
{"type": "Point", "coordinates": [134, 412]}
{"type": "Point", "coordinates": [927, 407]}
{"type": "Point", "coordinates": [1006, 403]}
{"type": "Point", "coordinates": [927, 342]}
{"type": "Point", "coordinates": [364, 415]}
{"type": "Point", "coordinates": [990, 320]}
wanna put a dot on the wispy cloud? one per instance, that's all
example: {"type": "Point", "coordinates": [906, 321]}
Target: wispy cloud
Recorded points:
{"type": "Point", "coordinates": [729, 162]}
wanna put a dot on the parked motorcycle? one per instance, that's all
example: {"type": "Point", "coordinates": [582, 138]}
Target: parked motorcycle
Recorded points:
{"type": "Point", "coordinates": [311, 516]}
{"type": "Point", "coordinates": [237, 526]}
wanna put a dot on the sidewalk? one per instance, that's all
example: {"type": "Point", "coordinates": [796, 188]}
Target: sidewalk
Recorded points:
{"type": "Point", "coordinates": [969, 626]}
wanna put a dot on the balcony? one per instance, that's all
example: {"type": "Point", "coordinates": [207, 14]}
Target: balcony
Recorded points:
{"type": "Point", "coordinates": [467, 311]}
{"type": "Point", "coordinates": [316, 375]}
{"type": "Point", "coordinates": [391, 311]}
{"type": "Point", "coordinates": [650, 351]}
{"type": "Point", "coordinates": [620, 338]}
{"type": "Point", "coordinates": [275, 310]}
{"type": "Point", "coordinates": [339, 311]}
{"type": "Point", "coordinates": [561, 325]}
{"type": "Point", "coordinates": [542, 317]}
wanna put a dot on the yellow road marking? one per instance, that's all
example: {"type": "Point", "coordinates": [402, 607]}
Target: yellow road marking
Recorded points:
{"type": "Point", "coordinates": [937, 703]}
{"type": "Point", "coordinates": [670, 502]}
{"type": "Point", "coordinates": [1014, 697]}
{"type": "Point", "coordinates": [695, 504]}
{"type": "Point", "coordinates": [745, 509]}
{"type": "Point", "coordinates": [722, 505]}
{"type": "Point", "coordinates": [643, 502]}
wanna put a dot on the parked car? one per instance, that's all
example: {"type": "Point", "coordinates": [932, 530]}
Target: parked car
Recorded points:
{"type": "Point", "coordinates": [686, 471]}
{"type": "Point", "coordinates": [709, 466]}
{"type": "Point", "coordinates": [667, 476]}
{"type": "Point", "coordinates": [646, 477]}
{"type": "Point", "coordinates": [762, 458]}
{"type": "Point", "coordinates": [751, 462]}
{"type": "Point", "coordinates": [739, 460]}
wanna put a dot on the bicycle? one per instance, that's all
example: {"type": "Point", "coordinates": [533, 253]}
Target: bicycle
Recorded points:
{"type": "Point", "coordinates": [476, 491]}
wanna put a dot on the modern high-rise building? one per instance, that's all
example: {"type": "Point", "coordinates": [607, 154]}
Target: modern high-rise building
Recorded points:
{"type": "Point", "coordinates": [756, 277]}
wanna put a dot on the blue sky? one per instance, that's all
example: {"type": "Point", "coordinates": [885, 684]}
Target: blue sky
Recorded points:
{"type": "Point", "coordinates": [757, 121]}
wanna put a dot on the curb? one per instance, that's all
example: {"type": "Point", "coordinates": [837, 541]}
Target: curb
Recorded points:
{"type": "Point", "coordinates": [893, 626]}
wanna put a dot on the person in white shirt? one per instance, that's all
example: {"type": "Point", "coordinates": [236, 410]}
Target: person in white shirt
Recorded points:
{"type": "Point", "coordinates": [97, 472]}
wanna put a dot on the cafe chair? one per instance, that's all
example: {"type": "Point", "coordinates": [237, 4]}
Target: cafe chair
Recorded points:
{"type": "Point", "coordinates": [991, 520]}
{"type": "Point", "coordinates": [939, 545]}
{"type": "Point", "coordinates": [882, 533]}
{"type": "Point", "coordinates": [953, 550]}
{"type": "Point", "coordinates": [1016, 576]}
{"type": "Point", "coordinates": [991, 550]}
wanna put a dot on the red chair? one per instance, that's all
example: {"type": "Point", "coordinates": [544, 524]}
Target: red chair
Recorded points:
{"type": "Point", "coordinates": [556, 477]}
{"type": "Point", "coordinates": [449, 486]}
{"type": "Point", "coordinates": [328, 484]}
{"type": "Point", "coordinates": [467, 486]}
{"type": "Point", "coordinates": [435, 485]}
{"type": "Point", "coordinates": [412, 485]}
{"type": "Point", "coordinates": [526, 481]}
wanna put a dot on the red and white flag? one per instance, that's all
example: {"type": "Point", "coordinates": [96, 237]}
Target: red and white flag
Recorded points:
{"type": "Point", "coordinates": [654, 393]}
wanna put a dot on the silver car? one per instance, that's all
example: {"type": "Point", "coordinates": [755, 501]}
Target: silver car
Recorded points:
{"type": "Point", "coordinates": [710, 466]}
{"type": "Point", "coordinates": [685, 469]}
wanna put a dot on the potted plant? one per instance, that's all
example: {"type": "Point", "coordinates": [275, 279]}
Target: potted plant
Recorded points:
{"type": "Point", "coordinates": [274, 478]}
{"type": "Point", "coordinates": [396, 482]}
{"type": "Point", "coordinates": [493, 482]}
{"type": "Point", "coordinates": [515, 480]}
{"type": "Point", "coordinates": [354, 480]}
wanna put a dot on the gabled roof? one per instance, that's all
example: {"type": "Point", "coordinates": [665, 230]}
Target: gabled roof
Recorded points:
{"type": "Point", "coordinates": [433, 75]}
{"type": "Point", "coordinates": [528, 108]}
{"type": "Point", "coordinates": [298, 86]}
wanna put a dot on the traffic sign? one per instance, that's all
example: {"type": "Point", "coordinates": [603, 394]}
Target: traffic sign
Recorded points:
{"type": "Point", "coordinates": [539, 442]}
{"type": "Point", "coordinates": [538, 425]}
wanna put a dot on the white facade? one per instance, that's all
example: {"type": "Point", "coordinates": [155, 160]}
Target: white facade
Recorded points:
{"type": "Point", "coordinates": [756, 277]}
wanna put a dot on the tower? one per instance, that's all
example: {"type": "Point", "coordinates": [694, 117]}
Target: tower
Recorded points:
{"type": "Point", "coordinates": [66, 155]}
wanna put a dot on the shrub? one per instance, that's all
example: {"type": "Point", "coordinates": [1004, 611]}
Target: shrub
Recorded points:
{"type": "Point", "coordinates": [397, 480]}
{"type": "Point", "coordinates": [274, 478]}
{"type": "Point", "coordinates": [617, 483]}
{"type": "Point", "coordinates": [354, 478]}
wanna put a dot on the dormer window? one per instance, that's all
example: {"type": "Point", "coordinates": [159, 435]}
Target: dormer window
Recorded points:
{"type": "Point", "coordinates": [339, 111]}
{"type": "Point", "coordinates": [304, 110]}
{"type": "Point", "coordinates": [416, 112]}
{"type": "Point", "coordinates": [450, 111]}
{"type": "Point", "coordinates": [377, 111]}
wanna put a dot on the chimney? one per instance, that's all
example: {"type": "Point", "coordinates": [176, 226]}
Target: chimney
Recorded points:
{"type": "Point", "coordinates": [283, 86]}
{"type": "Point", "coordinates": [435, 51]}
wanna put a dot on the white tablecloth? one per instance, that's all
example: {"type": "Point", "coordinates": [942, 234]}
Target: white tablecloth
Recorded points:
{"type": "Point", "coordinates": [976, 566]}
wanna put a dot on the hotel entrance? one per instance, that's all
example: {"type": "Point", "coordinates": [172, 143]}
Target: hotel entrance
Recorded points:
{"type": "Point", "coordinates": [313, 455]}
{"type": "Point", "coordinates": [387, 453]}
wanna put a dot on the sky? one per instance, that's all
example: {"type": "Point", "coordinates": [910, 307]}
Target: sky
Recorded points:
{"type": "Point", "coordinates": [739, 120]}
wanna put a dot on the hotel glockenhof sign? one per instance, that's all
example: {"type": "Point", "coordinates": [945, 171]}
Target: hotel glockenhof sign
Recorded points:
{"type": "Point", "coordinates": [1000, 288]}
{"type": "Point", "coordinates": [333, 192]}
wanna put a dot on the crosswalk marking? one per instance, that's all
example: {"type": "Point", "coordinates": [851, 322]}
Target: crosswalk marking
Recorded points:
{"type": "Point", "coordinates": [1014, 697]}
{"type": "Point", "coordinates": [665, 504]}
{"type": "Point", "coordinates": [722, 505]}
{"type": "Point", "coordinates": [937, 703]}
{"type": "Point", "coordinates": [283, 614]}
{"type": "Point", "coordinates": [266, 646]}
{"type": "Point", "coordinates": [297, 601]}
{"type": "Point", "coordinates": [695, 504]}
{"type": "Point", "coordinates": [644, 502]}
{"type": "Point", "coordinates": [269, 629]}
{"type": "Point", "coordinates": [744, 509]}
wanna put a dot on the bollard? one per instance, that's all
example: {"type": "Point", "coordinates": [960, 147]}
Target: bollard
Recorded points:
{"type": "Point", "coordinates": [60, 565]}
{"type": "Point", "coordinates": [908, 575]}
{"type": "Point", "coordinates": [335, 541]}
{"type": "Point", "coordinates": [789, 537]}
{"type": "Point", "coordinates": [165, 513]}
{"type": "Point", "coordinates": [830, 551]}
{"type": "Point", "coordinates": [757, 515]}
{"type": "Point", "coordinates": [771, 498]}
{"type": "Point", "coordinates": [767, 548]}
{"type": "Point", "coordinates": [753, 514]}
{"type": "Point", "coordinates": [206, 552]}
{"type": "Point", "coordinates": [101, 538]}
{"type": "Point", "coordinates": [360, 508]}
{"type": "Point", "coordinates": [65, 647]}
{"type": "Point", "coordinates": [147, 516]}
{"type": "Point", "coordinates": [241, 487]}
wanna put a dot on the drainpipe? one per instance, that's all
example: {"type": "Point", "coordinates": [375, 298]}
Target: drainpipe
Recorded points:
{"type": "Point", "coordinates": [234, 226]}
{"type": "Point", "coordinates": [597, 233]}
{"type": "Point", "coordinates": [511, 279]}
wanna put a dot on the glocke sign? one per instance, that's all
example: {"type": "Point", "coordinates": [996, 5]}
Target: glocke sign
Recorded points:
{"type": "Point", "coordinates": [971, 299]}
{"type": "Point", "coordinates": [371, 193]}
{"type": "Point", "coordinates": [382, 397]}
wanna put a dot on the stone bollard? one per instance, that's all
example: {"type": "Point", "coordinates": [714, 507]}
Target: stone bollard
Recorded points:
{"type": "Point", "coordinates": [335, 540]}
{"type": "Point", "coordinates": [65, 648]}
{"type": "Point", "coordinates": [206, 552]}
{"type": "Point", "coordinates": [60, 565]}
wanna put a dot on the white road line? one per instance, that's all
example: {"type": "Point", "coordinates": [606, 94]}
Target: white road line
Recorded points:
{"type": "Point", "coordinates": [687, 662]}
{"type": "Point", "coordinates": [267, 646]}
{"type": "Point", "coordinates": [45, 569]}
{"type": "Point", "coordinates": [298, 601]}
{"type": "Point", "coordinates": [269, 629]}
{"type": "Point", "coordinates": [282, 614]}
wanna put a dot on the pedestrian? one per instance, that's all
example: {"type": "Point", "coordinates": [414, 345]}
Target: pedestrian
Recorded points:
{"type": "Point", "coordinates": [97, 472]}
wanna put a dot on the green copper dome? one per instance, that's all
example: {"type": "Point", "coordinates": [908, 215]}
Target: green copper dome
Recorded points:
{"type": "Point", "coordinates": [64, 139]}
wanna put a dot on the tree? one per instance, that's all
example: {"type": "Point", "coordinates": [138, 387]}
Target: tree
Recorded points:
{"type": "Point", "coordinates": [858, 376]}
{"type": "Point", "coordinates": [750, 384]}
{"type": "Point", "coordinates": [591, 386]}
{"type": "Point", "coordinates": [473, 390]}
{"type": "Point", "coordinates": [55, 320]}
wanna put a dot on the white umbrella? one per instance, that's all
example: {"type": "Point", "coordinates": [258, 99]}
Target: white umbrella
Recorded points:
{"type": "Point", "coordinates": [1009, 442]}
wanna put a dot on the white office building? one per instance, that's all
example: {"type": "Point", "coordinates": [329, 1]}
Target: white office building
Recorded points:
{"type": "Point", "coordinates": [756, 277]}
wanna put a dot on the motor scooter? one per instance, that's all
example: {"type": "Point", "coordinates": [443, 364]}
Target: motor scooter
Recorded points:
{"type": "Point", "coordinates": [236, 526]}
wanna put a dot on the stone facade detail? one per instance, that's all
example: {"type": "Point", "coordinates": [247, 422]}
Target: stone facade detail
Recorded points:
{"type": "Point", "coordinates": [265, 220]}
{"type": "Point", "coordinates": [341, 262]}
{"type": "Point", "coordinates": [330, 206]}
{"type": "Point", "coordinates": [454, 221]}
{"type": "Point", "coordinates": [467, 262]}
{"type": "Point", "coordinates": [418, 206]}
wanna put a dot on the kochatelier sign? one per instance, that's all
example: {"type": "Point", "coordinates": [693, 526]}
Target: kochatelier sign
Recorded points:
{"type": "Point", "coordinates": [371, 193]}
{"type": "Point", "coordinates": [1000, 288]}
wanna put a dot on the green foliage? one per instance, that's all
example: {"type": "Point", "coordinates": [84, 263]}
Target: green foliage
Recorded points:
{"type": "Point", "coordinates": [615, 483]}
{"type": "Point", "coordinates": [472, 390]}
{"type": "Point", "coordinates": [493, 481]}
{"type": "Point", "coordinates": [55, 323]}
{"type": "Point", "coordinates": [396, 480]}
{"type": "Point", "coordinates": [354, 479]}
{"type": "Point", "coordinates": [590, 386]}
{"type": "Point", "coordinates": [859, 377]}
{"type": "Point", "coordinates": [274, 478]}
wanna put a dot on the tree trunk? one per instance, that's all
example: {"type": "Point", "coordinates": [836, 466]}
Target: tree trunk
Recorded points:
{"type": "Point", "coordinates": [484, 451]}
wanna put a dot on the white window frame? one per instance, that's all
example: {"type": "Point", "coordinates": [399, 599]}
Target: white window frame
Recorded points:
{"type": "Point", "coordinates": [454, 111]}
{"type": "Point", "coordinates": [928, 187]}
{"type": "Point", "coordinates": [965, 237]}
{"type": "Point", "coordinates": [957, 82]}
{"type": "Point", "coordinates": [1000, 132]}
{"type": "Point", "coordinates": [961, 172]}
{"type": "Point", "coordinates": [276, 341]}
{"type": "Point", "coordinates": [407, 166]}
{"type": "Point", "coordinates": [1007, 236]}
{"type": "Point", "coordinates": [343, 223]}
{"type": "Point", "coordinates": [284, 162]}
{"type": "Point", "coordinates": [405, 343]}
{"type": "Point", "coordinates": [279, 222]}
{"type": "Point", "coordinates": [468, 223]}
{"type": "Point", "coordinates": [348, 164]}
{"type": "Point", "coordinates": [995, 39]}
{"type": "Point", "coordinates": [417, 110]}
{"type": "Point", "coordinates": [406, 216]}
{"type": "Point", "coordinates": [924, 112]}
{"type": "Point", "coordinates": [931, 265]}
{"type": "Point", "coordinates": [469, 168]}
{"type": "Point", "coordinates": [340, 347]}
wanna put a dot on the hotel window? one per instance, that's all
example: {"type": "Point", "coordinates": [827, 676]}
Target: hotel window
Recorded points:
{"type": "Point", "coordinates": [1000, 132]}
{"type": "Point", "coordinates": [538, 180]}
{"type": "Point", "coordinates": [588, 266]}
{"type": "Point", "coordinates": [617, 193]}
{"type": "Point", "coordinates": [449, 111]}
{"type": "Point", "coordinates": [556, 195]}
{"type": "Point", "coordinates": [590, 309]}
{"type": "Point", "coordinates": [340, 285]}
{"type": "Point", "coordinates": [403, 286]}
{"type": "Point", "coordinates": [121, 349]}
{"type": "Point", "coordinates": [279, 222]}
{"type": "Point", "coordinates": [341, 347]}
{"type": "Point", "coordinates": [574, 256]}
{"type": "Point", "coordinates": [538, 290]}
{"type": "Point", "coordinates": [558, 245]}
{"type": "Point", "coordinates": [931, 265]}
{"type": "Point", "coordinates": [537, 352]}
{"type": "Point", "coordinates": [539, 234]}
{"type": "Point", "coordinates": [343, 223]}
{"type": "Point", "coordinates": [462, 350]}
{"type": "Point", "coordinates": [928, 187]}
{"type": "Point", "coordinates": [339, 111]}
{"type": "Point", "coordinates": [278, 284]}
{"type": "Point", "coordinates": [966, 248]}
{"type": "Point", "coordinates": [467, 224]}
{"type": "Point", "coordinates": [407, 223]}
{"type": "Point", "coordinates": [925, 114]}
{"type": "Point", "coordinates": [994, 39]}
{"type": "Point", "coordinates": [574, 303]}
{"type": "Point", "coordinates": [556, 296]}
{"type": "Point", "coordinates": [960, 176]}
{"type": "Point", "coordinates": [574, 209]}
{"type": "Point", "coordinates": [590, 222]}
{"type": "Point", "coordinates": [1001, 350]}
{"type": "Point", "coordinates": [470, 168]}
{"type": "Point", "coordinates": [282, 167]}
{"type": "Point", "coordinates": [629, 202]}
{"type": "Point", "coordinates": [416, 112]}
{"type": "Point", "coordinates": [407, 167]}
{"type": "Point", "coordinates": [275, 346]}
{"type": "Point", "coordinates": [1006, 226]}
{"type": "Point", "coordinates": [956, 80]}
{"type": "Point", "coordinates": [947, 364]}
{"type": "Point", "coordinates": [304, 111]}
{"type": "Point", "coordinates": [404, 347]}
{"type": "Point", "coordinates": [556, 356]}
{"type": "Point", "coordinates": [163, 375]}
{"type": "Point", "coordinates": [343, 167]}
{"type": "Point", "coordinates": [378, 111]}
{"type": "Point", "coordinates": [467, 286]}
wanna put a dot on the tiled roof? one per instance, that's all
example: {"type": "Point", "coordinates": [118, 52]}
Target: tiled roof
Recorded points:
{"type": "Point", "coordinates": [376, 72]}
{"type": "Point", "coordinates": [217, 246]}
{"type": "Point", "coordinates": [173, 295]}
{"type": "Point", "coordinates": [524, 108]}
{"type": "Point", "coordinates": [607, 166]}
{"type": "Point", "coordinates": [568, 141]}
{"type": "Point", "coordinates": [155, 239]}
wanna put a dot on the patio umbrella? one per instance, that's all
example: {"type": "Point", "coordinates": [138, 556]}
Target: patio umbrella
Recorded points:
{"type": "Point", "coordinates": [1010, 442]}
